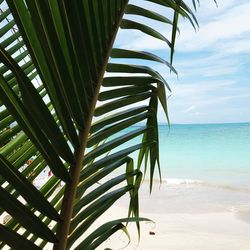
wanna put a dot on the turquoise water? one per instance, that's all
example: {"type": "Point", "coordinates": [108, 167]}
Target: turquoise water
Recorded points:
{"type": "Point", "coordinates": [217, 153]}
{"type": "Point", "coordinates": [205, 168]}
{"type": "Point", "coordinates": [213, 153]}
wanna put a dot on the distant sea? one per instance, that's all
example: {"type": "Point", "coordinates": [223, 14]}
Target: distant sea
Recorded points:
{"type": "Point", "coordinates": [213, 153]}
{"type": "Point", "coordinates": [205, 167]}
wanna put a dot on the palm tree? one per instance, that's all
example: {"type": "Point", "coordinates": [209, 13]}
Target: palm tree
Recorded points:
{"type": "Point", "coordinates": [54, 55]}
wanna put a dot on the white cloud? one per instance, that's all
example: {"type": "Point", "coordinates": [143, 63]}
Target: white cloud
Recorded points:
{"type": "Point", "coordinates": [212, 63]}
{"type": "Point", "coordinates": [237, 46]}
{"type": "Point", "coordinates": [189, 109]}
{"type": "Point", "coordinates": [218, 29]}
{"type": "Point", "coordinates": [200, 89]}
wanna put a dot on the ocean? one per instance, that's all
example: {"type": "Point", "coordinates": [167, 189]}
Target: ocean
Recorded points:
{"type": "Point", "coordinates": [205, 168]}
{"type": "Point", "coordinates": [214, 153]}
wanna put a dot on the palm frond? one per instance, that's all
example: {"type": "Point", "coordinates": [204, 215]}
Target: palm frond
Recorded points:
{"type": "Point", "coordinates": [54, 55]}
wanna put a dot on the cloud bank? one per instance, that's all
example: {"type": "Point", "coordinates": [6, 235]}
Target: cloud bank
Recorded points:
{"type": "Point", "coordinates": [213, 63]}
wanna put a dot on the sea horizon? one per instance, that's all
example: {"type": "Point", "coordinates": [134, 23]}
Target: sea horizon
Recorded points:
{"type": "Point", "coordinates": [195, 123]}
{"type": "Point", "coordinates": [204, 165]}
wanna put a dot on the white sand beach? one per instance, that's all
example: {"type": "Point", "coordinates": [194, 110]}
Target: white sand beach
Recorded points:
{"type": "Point", "coordinates": [187, 216]}
{"type": "Point", "coordinates": [183, 220]}
{"type": "Point", "coordinates": [213, 229]}
{"type": "Point", "coordinates": [180, 231]}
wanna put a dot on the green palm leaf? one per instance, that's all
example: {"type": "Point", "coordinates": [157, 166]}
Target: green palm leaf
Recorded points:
{"type": "Point", "coordinates": [59, 111]}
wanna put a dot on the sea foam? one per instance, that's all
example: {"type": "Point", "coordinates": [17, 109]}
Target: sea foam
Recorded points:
{"type": "Point", "coordinates": [177, 181]}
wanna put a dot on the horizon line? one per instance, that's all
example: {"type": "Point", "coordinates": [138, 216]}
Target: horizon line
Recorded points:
{"type": "Point", "coordinates": [210, 123]}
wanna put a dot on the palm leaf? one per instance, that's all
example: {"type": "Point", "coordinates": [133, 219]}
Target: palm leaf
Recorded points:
{"type": "Point", "coordinates": [59, 111]}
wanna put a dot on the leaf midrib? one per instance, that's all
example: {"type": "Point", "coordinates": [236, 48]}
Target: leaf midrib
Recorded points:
{"type": "Point", "coordinates": [70, 191]}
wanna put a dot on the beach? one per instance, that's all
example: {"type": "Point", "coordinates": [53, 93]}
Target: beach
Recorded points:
{"type": "Point", "coordinates": [208, 226]}
{"type": "Point", "coordinates": [186, 215]}
{"type": "Point", "coordinates": [203, 201]}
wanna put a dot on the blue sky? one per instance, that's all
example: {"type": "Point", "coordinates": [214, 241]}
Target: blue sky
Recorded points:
{"type": "Point", "coordinates": [213, 63]}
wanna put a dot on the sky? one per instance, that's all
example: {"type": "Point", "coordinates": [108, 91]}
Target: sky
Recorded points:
{"type": "Point", "coordinates": [213, 83]}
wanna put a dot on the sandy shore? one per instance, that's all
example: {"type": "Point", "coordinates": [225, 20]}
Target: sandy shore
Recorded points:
{"type": "Point", "coordinates": [187, 218]}
{"type": "Point", "coordinates": [183, 231]}
{"type": "Point", "coordinates": [180, 231]}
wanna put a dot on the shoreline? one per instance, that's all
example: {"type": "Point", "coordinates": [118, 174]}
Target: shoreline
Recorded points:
{"type": "Point", "coordinates": [183, 231]}
{"type": "Point", "coordinates": [184, 220]}
{"type": "Point", "coordinates": [186, 217]}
